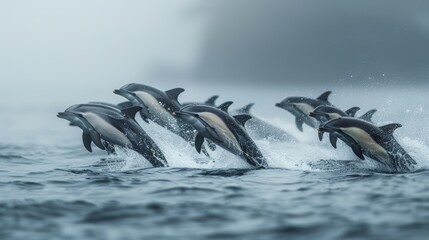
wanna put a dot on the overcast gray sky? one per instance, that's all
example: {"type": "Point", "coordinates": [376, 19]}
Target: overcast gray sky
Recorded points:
{"type": "Point", "coordinates": [63, 52]}
{"type": "Point", "coordinates": [316, 41]}
{"type": "Point", "coordinates": [75, 51]}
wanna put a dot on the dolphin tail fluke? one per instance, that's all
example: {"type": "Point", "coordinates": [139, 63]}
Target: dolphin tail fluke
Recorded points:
{"type": "Point", "coordinates": [352, 111]}
{"type": "Point", "coordinates": [368, 115]}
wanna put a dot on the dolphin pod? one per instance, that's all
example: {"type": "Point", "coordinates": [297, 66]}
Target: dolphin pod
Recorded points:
{"type": "Point", "coordinates": [204, 124]}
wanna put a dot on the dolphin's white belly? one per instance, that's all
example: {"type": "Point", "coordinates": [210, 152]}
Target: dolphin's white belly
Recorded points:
{"type": "Point", "coordinates": [156, 109]}
{"type": "Point", "coordinates": [105, 129]}
{"type": "Point", "coordinates": [305, 108]}
{"type": "Point", "coordinates": [367, 142]}
{"type": "Point", "coordinates": [334, 115]}
{"type": "Point", "coordinates": [221, 128]}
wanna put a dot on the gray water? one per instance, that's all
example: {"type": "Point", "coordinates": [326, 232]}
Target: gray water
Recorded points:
{"type": "Point", "coordinates": [51, 188]}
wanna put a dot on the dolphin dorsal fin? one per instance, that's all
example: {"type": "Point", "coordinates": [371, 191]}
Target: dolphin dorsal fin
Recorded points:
{"type": "Point", "coordinates": [324, 96]}
{"type": "Point", "coordinates": [390, 128]}
{"type": "Point", "coordinates": [352, 111]}
{"type": "Point", "coordinates": [242, 118]}
{"type": "Point", "coordinates": [212, 100]}
{"type": "Point", "coordinates": [174, 93]}
{"type": "Point", "coordinates": [224, 106]}
{"type": "Point", "coordinates": [368, 115]}
{"type": "Point", "coordinates": [246, 109]}
{"type": "Point", "coordinates": [131, 111]}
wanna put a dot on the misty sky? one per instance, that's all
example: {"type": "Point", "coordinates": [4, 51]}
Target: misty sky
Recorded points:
{"type": "Point", "coordinates": [63, 52]}
{"type": "Point", "coordinates": [316, 41]}
{"type": "Point", "coordinates": [75, 51]}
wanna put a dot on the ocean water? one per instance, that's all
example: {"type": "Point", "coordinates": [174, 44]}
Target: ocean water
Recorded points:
{"type": "Point", "coordinates": [52, 188]}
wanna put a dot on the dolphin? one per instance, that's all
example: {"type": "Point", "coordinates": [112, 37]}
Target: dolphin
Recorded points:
{"type": "Point", "coordinates": [325, 113]}
{"type": "Point", "coordinates": [366, 139]}
{"type": "Point", "coordinates": [117, 127]}
{"type": "Point", "coordinates": [261, 129]}
{"type": "Point", "coordinates": [224, 130]}
{"type": "Point", "coordinates": [158, 106]}
{"type": "Point", "coordinates": [110, 148]}
{"type": "Point", "coordinates": [301, 107]}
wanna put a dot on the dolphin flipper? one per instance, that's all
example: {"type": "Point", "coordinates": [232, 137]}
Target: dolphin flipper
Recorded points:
{"type": "Point", "coordinates": [299, 122]}
{"type": "Point", "coordinates": [355, 146]}
{"type": "Point", "coordinates": [199, 140]}
{"type": "Point", "coordinates": [95, 137]}
{"type": "Point", "coordinates": [87, 141]}
{"type": "Point", "coordinates": [320, 135]}
{"type": "Point", "coordinates": [358, 151]}
{"type": "Point", "coordinates": [333, 140]}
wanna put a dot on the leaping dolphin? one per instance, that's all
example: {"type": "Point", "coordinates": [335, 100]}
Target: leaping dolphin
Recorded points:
{"type": "Point", "coordinates": [158, 106]}
{"type": "Point", "coordinates": [224, 130]}
{"type": "Point", "coordinates": [301, 107]}
{"type": "Point", "coordinates": [118, 127]}
{"type": "Point", "coordinates": [327, 113]}
{"type": "Point", "coordinates": [375, 142]}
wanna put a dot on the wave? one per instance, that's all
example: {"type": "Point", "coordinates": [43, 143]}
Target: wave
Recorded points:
{"type": "Point", "coordinates": [306, 154]}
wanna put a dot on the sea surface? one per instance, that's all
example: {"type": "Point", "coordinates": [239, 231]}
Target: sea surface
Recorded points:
{"type": "Point", "coordinates": [52, 188]}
